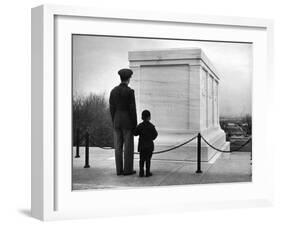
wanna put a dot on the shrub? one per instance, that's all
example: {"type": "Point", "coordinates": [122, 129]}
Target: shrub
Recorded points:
{"type": "Point", "coordinates": [91, 113]}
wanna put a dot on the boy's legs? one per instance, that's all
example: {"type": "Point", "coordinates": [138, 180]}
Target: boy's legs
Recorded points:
{"type": "Point", "coordinates": [147, 164]}
{"type": "Point", "coordinates": [142, 159]}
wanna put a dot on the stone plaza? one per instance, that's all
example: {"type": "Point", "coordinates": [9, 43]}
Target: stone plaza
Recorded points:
{"type": "Point", "coordinates": [232, 167]}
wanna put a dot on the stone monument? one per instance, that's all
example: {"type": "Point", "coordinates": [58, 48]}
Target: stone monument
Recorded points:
{"type": "Point", "coordinates": [181, 89]}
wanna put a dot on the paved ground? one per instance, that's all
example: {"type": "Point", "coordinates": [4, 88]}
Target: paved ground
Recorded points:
{"type": "Point", "coordinates": [234, 167]}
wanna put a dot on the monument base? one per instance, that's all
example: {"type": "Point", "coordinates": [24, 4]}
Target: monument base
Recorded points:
{"type": "Point", "coordinates": [215, 136]}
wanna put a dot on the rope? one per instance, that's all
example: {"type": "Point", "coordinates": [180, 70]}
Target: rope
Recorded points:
{"type": "Point", "coordinates": [219, 150]}
{"type": "Point", "coordinates": [82, 138]}
{"type": "Point", "coordinates": [186, 142]}
{"type": "Point", "coordinates": [172, 148]}
{"type": "Point", "coordinates": [157, 152]}
{"type": "Point", "coordinates": [106, 148]}
{"type": "Point", "coordinates": [238, 149]}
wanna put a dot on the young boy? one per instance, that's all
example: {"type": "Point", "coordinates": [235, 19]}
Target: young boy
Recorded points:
{"type": "Point", "coordinates": [147, 133]}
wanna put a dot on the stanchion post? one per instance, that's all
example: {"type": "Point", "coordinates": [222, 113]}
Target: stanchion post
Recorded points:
{"type": "Point", "coordinates": [77, 144]}
{"type": "Point", "coordinates": [87, 151]}
{"type": "Point", "coordinates": [198, 153]}
{"type": "Point", "coordinates": [251, 156]}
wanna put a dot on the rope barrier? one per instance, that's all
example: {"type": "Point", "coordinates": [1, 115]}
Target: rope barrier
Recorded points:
{"type": "Point", "coordinates": [172, 148]}
{"type": "Point", "coordinates": [238, 149]}
{"type": "Point", "coordinates": [82, 138]}
{"type": "Point", "coordinates": [106, 148]}
{"type": "Point", "coordinates": [198, 136]}
{"type": "Point", "coordinates": [219, 150]}
{"type": "Point", "coordinates": [157, 152]}
{"type": "Point", "coordinates": [186, 142]}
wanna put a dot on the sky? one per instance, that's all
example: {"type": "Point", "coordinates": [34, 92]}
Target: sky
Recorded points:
{"type": "Point", "coordinates": [97, 59]}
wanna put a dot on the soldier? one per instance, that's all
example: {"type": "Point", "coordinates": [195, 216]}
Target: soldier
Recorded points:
{"type": "Point", "coordinates": [124, 118]}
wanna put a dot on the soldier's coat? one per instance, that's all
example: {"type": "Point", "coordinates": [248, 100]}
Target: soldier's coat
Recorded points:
{"type": "Point", "coordinates": [123, 107]}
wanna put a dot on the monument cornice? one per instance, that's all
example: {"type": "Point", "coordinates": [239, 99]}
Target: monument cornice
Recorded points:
{"type": "Point", "coordinates": [176, 55]}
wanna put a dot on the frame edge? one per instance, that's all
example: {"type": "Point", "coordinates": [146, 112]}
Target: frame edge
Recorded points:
{"type": "Point", "coordinates": [37, 66]}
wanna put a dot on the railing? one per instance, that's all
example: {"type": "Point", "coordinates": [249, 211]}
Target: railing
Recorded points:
{"type": "Point", "coordinates": [198, 136]}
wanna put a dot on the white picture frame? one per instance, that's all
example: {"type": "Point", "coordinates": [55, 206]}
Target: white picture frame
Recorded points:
{"type": "Point", "coordinates": [52, 197]}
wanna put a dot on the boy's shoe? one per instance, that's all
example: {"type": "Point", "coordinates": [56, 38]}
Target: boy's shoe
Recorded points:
{"type": "Point", "coordinates": [149, 174]}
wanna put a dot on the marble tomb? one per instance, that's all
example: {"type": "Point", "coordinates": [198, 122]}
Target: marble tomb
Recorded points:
{"type": "Point", "coordinates": [181, 89]}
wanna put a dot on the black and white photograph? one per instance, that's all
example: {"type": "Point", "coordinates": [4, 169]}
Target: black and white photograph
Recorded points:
{"type": "Point", "coordinates": [140, 113]}
{"type": "Point", "coordinates": [160, 112]}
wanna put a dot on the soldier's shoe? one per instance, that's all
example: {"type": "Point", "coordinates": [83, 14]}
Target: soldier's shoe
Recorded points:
{"type": "Point", "coordinates": [121, 173]}
{"type": "Point", "coordinates": [131, 173]}
{"type": "Point", "coordinates": [141, 174]}
{"type": "Point", "coordinates": [148, 174]}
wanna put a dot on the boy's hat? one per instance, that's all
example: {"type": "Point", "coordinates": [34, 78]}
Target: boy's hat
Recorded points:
{"type": "Point", "coordinates": [145, 114]}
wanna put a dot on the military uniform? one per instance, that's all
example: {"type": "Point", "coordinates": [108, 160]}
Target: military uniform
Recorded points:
{"type": "Point", "coordinates": [124, 118]}
{"type": "Point", "coordinates": [147, 133]}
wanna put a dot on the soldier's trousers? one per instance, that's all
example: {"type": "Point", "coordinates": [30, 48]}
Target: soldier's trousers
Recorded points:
{"type": "Point", "coordinates": [124, 148]}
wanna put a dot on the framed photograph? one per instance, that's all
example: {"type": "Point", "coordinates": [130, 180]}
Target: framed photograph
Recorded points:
{"type": "Point", "coordinates": [135, 112]}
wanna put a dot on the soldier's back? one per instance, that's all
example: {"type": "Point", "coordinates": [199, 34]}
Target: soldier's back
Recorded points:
{"type": "Point", "coordinates": [121, 97]}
